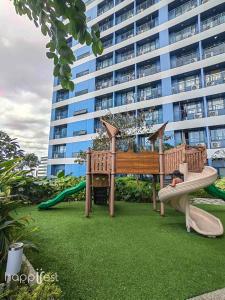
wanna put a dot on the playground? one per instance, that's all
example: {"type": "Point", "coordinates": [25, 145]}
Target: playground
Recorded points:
{"type": "Point", "coordinates": [136, 255]}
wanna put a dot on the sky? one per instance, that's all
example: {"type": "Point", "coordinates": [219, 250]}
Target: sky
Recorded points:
{"type": "Point", "coordinates": [25, 81]}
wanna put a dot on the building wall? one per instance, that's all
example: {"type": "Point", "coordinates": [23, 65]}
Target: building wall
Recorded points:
{"type": "Point", "coordinates": [177, 63]}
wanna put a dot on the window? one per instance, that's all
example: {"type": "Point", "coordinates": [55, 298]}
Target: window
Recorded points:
{"type": "Point", "coordinates": [125, 98]}
{"type": "Point", "coordinates": [218, 134]}
{"type": "Point", "coordinates": [80, 112]}
{"type": "Point", "coordinates": [85, 72]}
{"type": "Point", "coordinates": [216, 104]}
{"type": "Point", "coordinates": [82, 92]}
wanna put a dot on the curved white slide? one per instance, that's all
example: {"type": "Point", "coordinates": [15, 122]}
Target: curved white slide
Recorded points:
{"type": "Point", "coordinates": [199, 220]}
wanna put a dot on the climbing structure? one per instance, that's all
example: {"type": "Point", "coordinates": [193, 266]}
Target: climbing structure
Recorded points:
{"type": "Point", "coordinates": [102, 166]}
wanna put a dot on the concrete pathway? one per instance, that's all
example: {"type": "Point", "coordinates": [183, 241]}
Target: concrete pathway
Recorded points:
{"type": "Point", "coordinates": [216, 295]}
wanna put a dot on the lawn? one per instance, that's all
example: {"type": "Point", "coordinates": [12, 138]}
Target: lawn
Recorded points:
{"type": "Point", "coordinates": [136, 255]}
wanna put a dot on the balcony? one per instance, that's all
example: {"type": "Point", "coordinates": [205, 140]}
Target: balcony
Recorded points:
{"type": "Point", "coordinates": [218, 137]}
{"type": "Point", "coordinates": [183, 34]}
{"type": "Point", "coordinates": [149, 93]}
{"type": "Point", "coordinates": [60, 132]}
{"type": "Point", "coordinates": [121, 78]}
{"type": "Point", "coordinates": [125, 16]}
{"type": "Point", "coordinates": [216, 107]}
{"type": "Point", "coordinates": [214, 50]}
{"type": "Point", "coordinates": [105, 8]}
{"type": "Point", "coordinates": [147, 47]}
{"type": "Point", "coordinates": [213, 21]}
{"type": "Point", "coordinates": [58, 155]}
{"type": "Point", "coordinates": [147, 26]}
{"type": "Point", "coordinates": [104, 84]}
{"type": "Point", "coordinates": [105, 63]}
{"type": "Point", "coordinates": [180, 10]}
{"type": "Point", "coordinates": [182, 60]}
{"type": "Point", "coordinates": [105, 26]}
{"type": "Point", "coordinates": [62, 95]}
{"type": "Point", "coordinates": [144, 5]}
{"type": "Point", "coordinates": [185, 85]}
{"type": "Point", "coordinates": [61, 115]}
{"type": "Point", "coordinates": [107, 43]}
{"type": "Point", "coordinates": [215, 78]}
{"type": "Point", "coordinates": [104, 103]}
{"type": "Point", "coordinates": [148, 70]}
{"type": "Point", "coordinates": [188, 111]}
{"type": "Point", "coordinates": [120, 57]}
{"type": "Point", "coordinates": [125, 98]}
{"type": "Point", "coordinates": [124, 36]}
{"type": "Point", "coordinates": [152, 117]}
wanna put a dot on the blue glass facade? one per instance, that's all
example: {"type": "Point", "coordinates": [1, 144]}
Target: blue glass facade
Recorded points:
{"type": "Point", "coordinates": [166, 55]}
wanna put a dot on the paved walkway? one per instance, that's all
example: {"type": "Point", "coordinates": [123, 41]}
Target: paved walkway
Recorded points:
{"type": "Point", "coordinates": [216, 295]}
{"type": "Point", "coordinates": [208, 201]}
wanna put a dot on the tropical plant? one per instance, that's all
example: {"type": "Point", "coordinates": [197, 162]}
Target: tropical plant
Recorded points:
{"type": "Point", "coordinates": [47, 290]}
{"type": "Point", "coordinates": [60, 20]}
{"type": "Point", "coordinates": [9, 148]}
{"type": "Point", "coordinates": [10, 227]}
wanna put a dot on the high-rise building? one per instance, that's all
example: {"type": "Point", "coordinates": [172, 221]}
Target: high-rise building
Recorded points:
{"type": "Point", "coordinates": [165, 54]}
{"type": "Point", "coordinates": [42, 167]}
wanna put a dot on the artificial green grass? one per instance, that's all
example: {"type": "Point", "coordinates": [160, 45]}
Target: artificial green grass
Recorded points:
{"type": "Point", "coordinates": [136, 255]}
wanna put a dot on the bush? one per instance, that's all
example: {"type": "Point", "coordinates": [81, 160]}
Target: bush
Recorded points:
{"type": "Point", "coordinates": [133, 190]}
{"type": "Point", "coordinates": [201, 193]}
{"type": "Point", "coordinates": [36, 190]}
{"type": "Point", "coordinates": [220, 183]}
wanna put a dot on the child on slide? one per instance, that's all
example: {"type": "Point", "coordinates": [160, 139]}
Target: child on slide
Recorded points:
{"type": "Point", "coordinates": [178, 177]}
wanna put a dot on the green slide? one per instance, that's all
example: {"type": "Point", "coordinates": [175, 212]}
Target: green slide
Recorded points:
{"type": "Point", "coordinates": [60, 197]}
{"type": "Point", "coordinates": [216, 192]}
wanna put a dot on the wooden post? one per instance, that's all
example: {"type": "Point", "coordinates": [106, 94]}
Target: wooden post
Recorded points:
{"type": "Point", "coordinates": [161, 170]}
{"type": "Point", "coordinates": [154, 183]}
{"type": "Point", "coordinates": [113, 170]}
{"type": "Point", "coordinates": [88, 184]}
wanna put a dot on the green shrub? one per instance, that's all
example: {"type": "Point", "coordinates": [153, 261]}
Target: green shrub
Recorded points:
{"type": "Point", "coordinates": [133, 190]}
{"type": "Point", "coordinates": [220, 183]}
{"type": "Point", "coordinates": [201, 193]}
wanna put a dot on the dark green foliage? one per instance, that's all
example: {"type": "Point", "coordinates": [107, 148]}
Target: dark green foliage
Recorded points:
{"type": "Point", "coordinates": [9, 148]}
{"type": "Point", "coordinates": [201, 193]}
{"type": "Point", "coordinates": [59, 20]}
{"type": "Point", "coordinates": [133, 190]}
{"type": "Point", "coordinates": [36, 190]}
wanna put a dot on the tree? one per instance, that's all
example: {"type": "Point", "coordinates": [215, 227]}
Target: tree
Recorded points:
{"type": "Point", "coordinates": [9, 148]}
{"type": "Point", "coordinates": [30, 160]}
{"type": "Point", "coordinates": [60, 20]}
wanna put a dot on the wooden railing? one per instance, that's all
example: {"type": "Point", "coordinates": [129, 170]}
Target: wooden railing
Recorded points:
{"type": "Point", "coordinates": [194, 156]}
{"type": "Point", "coordinates": [101, 162]}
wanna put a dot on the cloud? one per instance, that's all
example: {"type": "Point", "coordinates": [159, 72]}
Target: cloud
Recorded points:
{"type": "Point", "coordinates": [25, 81]}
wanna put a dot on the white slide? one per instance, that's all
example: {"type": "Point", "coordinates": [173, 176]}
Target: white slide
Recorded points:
{"type": "Point", "coordinates": [199, 220]}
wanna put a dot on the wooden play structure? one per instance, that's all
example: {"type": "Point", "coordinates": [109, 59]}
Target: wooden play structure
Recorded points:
{"type": "Point", "coordinates": [102, 166]}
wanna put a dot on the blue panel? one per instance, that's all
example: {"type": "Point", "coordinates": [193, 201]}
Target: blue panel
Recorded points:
{"type": "Point", "coordinates": [163, 14]}
{"type": "Point", "coordinates": [87, 125]}
{"type": "Point", "coordinates": [168, 112]}
{"type": "Point", "coordinates": [166, 86]}
{"type": "Point", "coordinates": [87, 104]}
{"type": "Point", "coordinates": [170, 136]}
{"type": "Point", "coordinates": [77, 147]}
{"type": "Point", "coordinates": [164, 38]}
{"type": "Point", "coordinates": [165, 62]}
{"type": "Point", "coordinates": [75, 170]}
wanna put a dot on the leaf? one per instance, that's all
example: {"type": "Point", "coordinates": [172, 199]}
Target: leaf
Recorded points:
{"type": "Point", "coordinates": [50, 55]}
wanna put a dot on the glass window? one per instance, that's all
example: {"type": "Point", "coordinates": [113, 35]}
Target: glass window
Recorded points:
{"type": "Point", "coordinates": [218, 134]}
{"type": "Point", "coordinates": [216, 104]}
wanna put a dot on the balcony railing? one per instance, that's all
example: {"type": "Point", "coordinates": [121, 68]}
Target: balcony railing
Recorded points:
{"type": "Point", "coordinates": [183, 115]}
{"type": "Point", "coordinates": [107, 44]}
{"type": "Point", "coordinates": [154, 93]}
{"type": "Point", "coordinates": [148, 47]}
{"type": "Point", "coordinates": [184, 60]}
{"type": "Point", "coordinates": [195, 142]}
{"type": "Point", "coordinates": [214, 79]}
{"type": "Point", "coordinates": [124, 16]}
{"type": "Point", "coordinates": [147, 26]}
{"type": "Point", "coordinates": [183, 34]}
{"type": "Point", "coordinates": [148, 71]}
{"type": "Point", "coordinates": [124, 56]}
{"type": "Point", "coordinates": [185, 86]}
{"type": "Point", "coordinates": [59, 135]}
{"type": "Point", "coordinates": [105, 8]}
{"type": "Point", "coordinates": [144, 5]}
{"type": "Point", "coordinates": [125, 101]}
{"type": "Point", "coordinates": [182, 9]}
{"type": "Point", "coordinates": [103, 85]}
{"type": "Point", "coordinates": [125, 78]}
{"type": "Point", "coordinates": [106, 26]}
{"type": "Point", "coordinates": [104, 104]}
{"type": "Point", "coordinates": [214, 50]}
{"type": "Point", "coordinates": [213, 21]}
{"type": "Point", "coordinates": [58, 154]}
{"type": "Point", "coordinates": [104, 64]}
{"type": "Point", "coordinates": [124, 36]}
{"type": "Point", "coordinates": [61, 115]}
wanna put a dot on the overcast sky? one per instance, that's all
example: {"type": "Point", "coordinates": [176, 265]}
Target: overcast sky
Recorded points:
{"type": "Point", "coordinates": [25, 81]}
